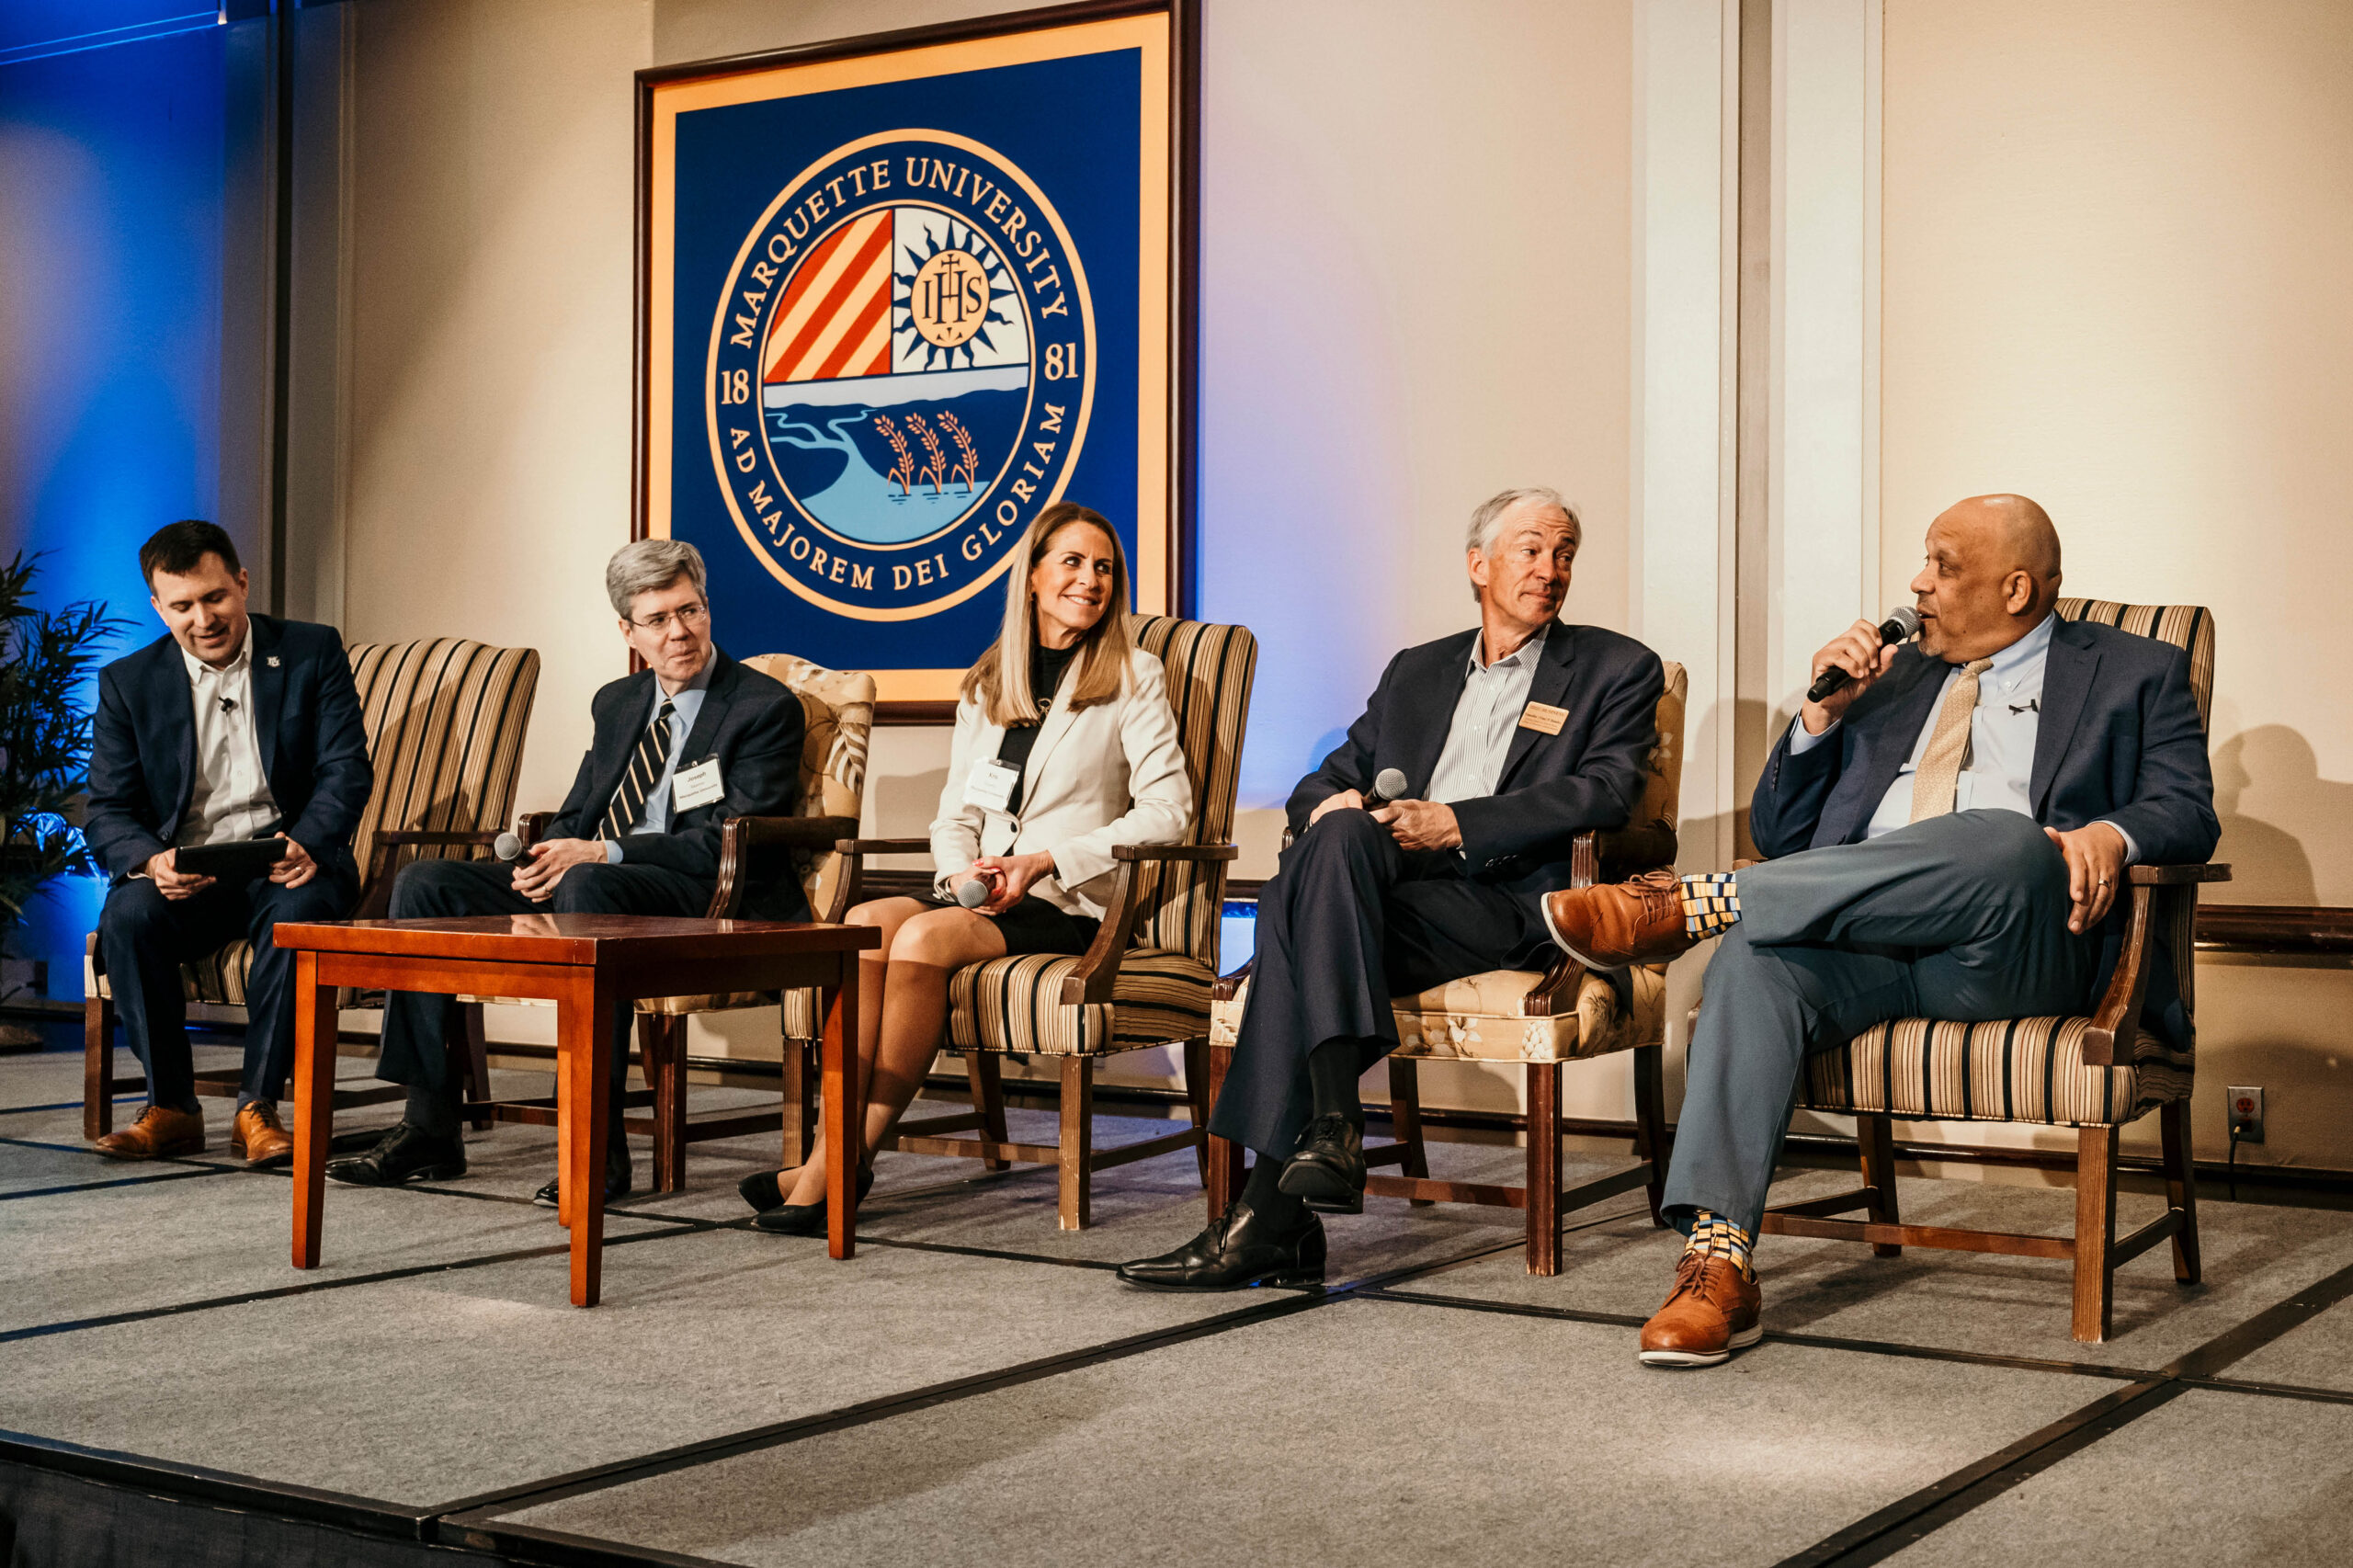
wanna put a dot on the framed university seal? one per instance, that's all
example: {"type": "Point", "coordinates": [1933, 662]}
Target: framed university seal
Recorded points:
{"type": "Point", "coordinates": [898, 295]}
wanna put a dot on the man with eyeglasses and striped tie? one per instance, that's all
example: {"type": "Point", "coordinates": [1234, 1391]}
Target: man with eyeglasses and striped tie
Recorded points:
{"type": "Point", "coordinates": [680, 746]}
{"type": "Point", "coordinates": [1946, 833]}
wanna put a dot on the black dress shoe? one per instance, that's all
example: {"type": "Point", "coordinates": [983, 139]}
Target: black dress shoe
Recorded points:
{"type": "Point", "coordinates": [805, 1219]}
{"type": "Point", "coordinates": [1327, 1174]}
{"type": "Point", "coordinates": [407, 1153]}
{"type": "Point", "coordinates": [1241, 1249]}
{"type": "Point", "coordinates": [617, 1177]}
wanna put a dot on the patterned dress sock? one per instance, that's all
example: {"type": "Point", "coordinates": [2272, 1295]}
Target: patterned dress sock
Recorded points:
{"type": "Point", "coordinates": [1710, 903]}
{"type": "Point", "coordinates": [1712, 1235]}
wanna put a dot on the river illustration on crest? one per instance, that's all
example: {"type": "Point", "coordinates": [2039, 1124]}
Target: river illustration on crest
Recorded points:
{"type": "Point", "coordinates": [911, 322]}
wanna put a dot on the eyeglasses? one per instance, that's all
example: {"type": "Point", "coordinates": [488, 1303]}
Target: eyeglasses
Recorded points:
{"type": "Point", "coordinates": [691, 617]}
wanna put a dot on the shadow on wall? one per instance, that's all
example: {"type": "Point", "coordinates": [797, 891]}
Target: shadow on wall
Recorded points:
{"type": "Point", "coordinates": [2283, 825]}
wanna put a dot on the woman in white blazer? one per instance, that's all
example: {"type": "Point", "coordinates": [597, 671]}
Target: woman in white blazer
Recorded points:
{"type": "Point", "coordinates": [1065, 746]}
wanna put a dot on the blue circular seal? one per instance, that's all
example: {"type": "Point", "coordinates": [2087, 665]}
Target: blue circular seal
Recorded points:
{"type": "Point", "coordinates": [901, 368]}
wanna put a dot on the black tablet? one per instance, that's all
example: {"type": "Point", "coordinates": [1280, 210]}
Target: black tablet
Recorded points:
{"type": "Point", "coordinates": [234, 862]}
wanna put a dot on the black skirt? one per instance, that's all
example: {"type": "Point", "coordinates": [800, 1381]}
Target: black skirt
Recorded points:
{"type": "Point", "coordinates": [1033, 925]}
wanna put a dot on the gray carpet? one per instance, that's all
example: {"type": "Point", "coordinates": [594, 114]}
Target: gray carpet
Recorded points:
{"type": "Point", "coordinates": [161, 1317]}
{"type": "Point", "coordinates": [2216, 1478]}
{"type": "Point", "coordinates": [1366, 1431]}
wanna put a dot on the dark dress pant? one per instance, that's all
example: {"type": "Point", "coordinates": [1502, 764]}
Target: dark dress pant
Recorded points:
{"type": "Point", "coordinates": [1960, 917]}
{"type": "Point", "coordinates": [1349, 921]}
{"type": "Point", "coordinates": [414, 1021]}
{"type": "Point", "coordinates": [145, 938]}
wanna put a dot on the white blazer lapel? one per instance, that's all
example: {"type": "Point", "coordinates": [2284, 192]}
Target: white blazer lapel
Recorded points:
{"type": "Point", "coordinates": [1050, 733]}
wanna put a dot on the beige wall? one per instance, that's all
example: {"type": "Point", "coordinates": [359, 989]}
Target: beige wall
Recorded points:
{"type": "Point", "coordinates": [2115, 280]}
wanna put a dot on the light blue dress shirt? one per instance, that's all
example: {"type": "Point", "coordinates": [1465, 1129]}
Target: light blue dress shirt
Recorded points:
{"type": "Point", "coordinates": [685, 706]}
{"type": "Point", "coordinates": [1478, 739]}
{"type": "Point", "coordinates": [1998, 768]}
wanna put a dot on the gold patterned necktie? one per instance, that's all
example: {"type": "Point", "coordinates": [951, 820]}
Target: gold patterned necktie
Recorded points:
{"type": "Point", "coordinates": [653, 754]}
{"type": "Point", "coordinates": [1938, 775]}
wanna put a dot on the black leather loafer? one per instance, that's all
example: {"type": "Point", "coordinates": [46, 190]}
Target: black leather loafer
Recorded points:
{"type": "Point", "coordinates": [617, 1177]}
{"type": "Point", "coordinates": [1238, 1250]}
{"type": "Point", "coordinates": [806, 1219]}
{"type": "Point", "coordinates": [407, 1153]}
{"type": "Point", "coordinates": [1327, 1174]}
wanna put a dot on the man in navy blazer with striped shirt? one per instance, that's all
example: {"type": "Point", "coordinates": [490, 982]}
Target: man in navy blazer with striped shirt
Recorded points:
{"type": "Point", "coordinates": [1512, 739]}
{"type": "Point", "coordinates": [680, 746]}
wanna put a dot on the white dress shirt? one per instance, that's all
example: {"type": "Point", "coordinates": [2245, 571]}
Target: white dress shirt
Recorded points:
{"type": "Point", "coordinates": [1999, 764]}
{"type": "Point", "coordinates": [1478, 739]}
{"type": "Point", "coordinates": [685, 707]}
{"type": "Point", "coordinates": [230, 800]}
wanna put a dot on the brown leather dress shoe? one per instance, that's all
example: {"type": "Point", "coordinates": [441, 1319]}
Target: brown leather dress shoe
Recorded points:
{"type": "Point", "coordinates": [1711, 1313]}
{"type": "Point", "coordinates": [1625, 923]}
{"type": "Point", "coordinates": [159, 1133]}
{"type": "Point", "coordinates": [261, 1139]}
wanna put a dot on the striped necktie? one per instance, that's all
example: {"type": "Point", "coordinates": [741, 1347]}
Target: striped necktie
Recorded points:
{"type": "Point", "coordinates": [1938, 778]}
{"type": "Point", "coordinates": [653, 755]}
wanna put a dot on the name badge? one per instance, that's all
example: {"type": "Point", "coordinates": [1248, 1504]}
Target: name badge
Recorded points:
{"type": "Point", "coordinates": [1543, 718]}
{"type": "Point", "coordinates": [696, 785]}
{"type": "Point", "coordinates": [989, 785]}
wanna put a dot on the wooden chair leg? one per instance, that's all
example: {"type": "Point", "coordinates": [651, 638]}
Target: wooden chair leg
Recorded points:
{"type": "Point", "coordinates": [477, 1044]}
{"type": "Point", "coordinates": [2181, 1188]}
{"type": "Point", "coordinates": [1196, 1097]}
{"type": "Point", "coordinates": [799, 1107]}
{"type": "Point", "coordinates": [1544, 1167]}
{"type": "Point", "coordinates": [98, 1067]}
{"type": "Point", "coordinates": [1875, 1137]}
{"type": "Point", "coordinates": [662, 1053]}
{"type": "Point", "coordinates": [1405, 1119]}
{"type": "Point", "coordinates": [2095, 1232]}
{"type": "Point", "coordinates": [986, 1075]}
{"type": "Point", "coordinates": [1226, 1156]}
{"type": "Point", "coordinates": [1651, 1139]}
{"type": "Point", "coordinates": [1077, 1141]}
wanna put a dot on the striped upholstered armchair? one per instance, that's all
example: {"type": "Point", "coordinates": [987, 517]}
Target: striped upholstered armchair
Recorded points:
{"type": "Point", "coordinates": [1538, 1021]}
{"type": "Point", "coordinates": [1146, 980]}
{"type": "Point", "coordinates": [2095, 1074]}
{"type": "Point", "coordinates": [445, 720]}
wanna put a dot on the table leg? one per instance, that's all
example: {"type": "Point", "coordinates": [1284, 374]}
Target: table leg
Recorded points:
{"type": "Point", "coordinates": [583, 1045]}
{"type": "Point", "coordinates": [315, 1051]}
{"type": "Point", "coordinates": [844, 1117]}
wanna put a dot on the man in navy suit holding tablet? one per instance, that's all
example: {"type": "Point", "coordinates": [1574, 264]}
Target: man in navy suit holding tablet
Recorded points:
{"type": "Point", "coordinates": [233, 727]}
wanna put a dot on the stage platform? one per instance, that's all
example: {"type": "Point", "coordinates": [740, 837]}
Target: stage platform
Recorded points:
{"type": "Point", "coordinates": [975, 1386]}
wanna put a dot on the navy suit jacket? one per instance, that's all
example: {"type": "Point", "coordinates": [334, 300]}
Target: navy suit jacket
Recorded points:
{"type": "Point", "coordinates": [306, 715]}
{"type": "Point", "coordinates": [2118, 740]}
{"type": "Point", "coordinates": [1553, 787]}
{"type": "Point", "coordinates": [751, 722]}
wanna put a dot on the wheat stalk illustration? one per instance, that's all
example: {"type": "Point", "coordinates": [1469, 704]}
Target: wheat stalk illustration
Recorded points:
{"type": "Point", "coordinates": [968, 467]}
{"type": "Point", "coordinates": [937, 469]}
{"type": "Point", "coordinates": [903, 470]}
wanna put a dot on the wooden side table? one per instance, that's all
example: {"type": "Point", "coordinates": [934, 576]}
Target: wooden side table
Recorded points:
{"type": "Point", "coordinates": [587, 965]}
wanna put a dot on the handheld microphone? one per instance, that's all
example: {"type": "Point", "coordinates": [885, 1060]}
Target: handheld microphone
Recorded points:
{"type": "Point", "coordinates": [1387, 786]}
{"type": "Point", "coordinates": [507, 847]}
{"type": "Point", "coordinates": [1903, 623]}
{"type": "Point", "coordinates": [973, 893]}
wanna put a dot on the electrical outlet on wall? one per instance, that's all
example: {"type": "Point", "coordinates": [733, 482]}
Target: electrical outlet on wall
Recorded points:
{"type": "Point", "coordinates": [2246, 1112]}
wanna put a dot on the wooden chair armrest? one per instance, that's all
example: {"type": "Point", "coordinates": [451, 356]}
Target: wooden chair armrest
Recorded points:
{"type": "Point", "coordinates": [531, 825]}
{"type": "Point", "coordinates": [2176, 876]}
{"type": "Point", "coordinates": [1556, 993]}
{"type": "Point", "coordinates": [1226, 987]}
{"type": "Point", "coordinates": [862, 847]}
{"type": "Point", "coordinates": [484, 837]}
{"type": "Point", "coordinates": [2119, 1012]}
{"type": "Point", "coordinates": [376, 889]}
{"type": "Point", "coordinates": [739, 836]}
{"type": "Point", "coordinates": [1197, 853]}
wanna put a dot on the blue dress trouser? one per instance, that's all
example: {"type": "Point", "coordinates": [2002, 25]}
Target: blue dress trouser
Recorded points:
{"type": "Point", "coordinates": [1960, 917]}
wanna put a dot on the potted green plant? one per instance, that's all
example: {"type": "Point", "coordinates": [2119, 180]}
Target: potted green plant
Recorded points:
{"type": "Point", "coordinates": [46, 656]}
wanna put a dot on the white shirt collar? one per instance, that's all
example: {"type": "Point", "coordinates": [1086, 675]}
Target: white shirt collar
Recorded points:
{"type": "Point", "coordinates": [197, 669]}
{"type": "Point", "coordinates": [1525, 653]}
